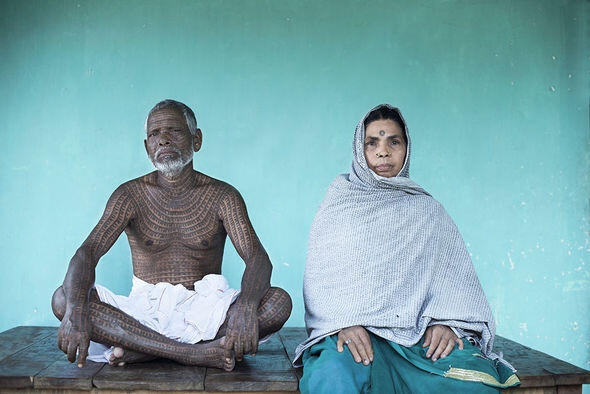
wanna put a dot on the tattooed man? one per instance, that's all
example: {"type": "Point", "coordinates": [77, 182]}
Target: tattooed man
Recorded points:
{"type": "Point", "coordinates": [176, 220]}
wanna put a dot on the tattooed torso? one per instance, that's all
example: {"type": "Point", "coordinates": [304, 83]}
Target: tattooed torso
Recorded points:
{"type": "Point", "coordinates": [178, 235]}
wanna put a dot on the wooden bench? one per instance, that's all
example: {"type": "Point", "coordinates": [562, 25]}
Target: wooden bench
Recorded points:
{"type": "Point", "coordinates": [30, 362]}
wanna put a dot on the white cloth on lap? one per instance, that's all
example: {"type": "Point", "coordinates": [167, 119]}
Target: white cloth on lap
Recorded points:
{"type": "Point", "coordinates": [184, 315]}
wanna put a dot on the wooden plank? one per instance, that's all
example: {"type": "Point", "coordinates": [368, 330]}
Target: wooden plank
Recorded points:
{"type": "Point", "coordinates": [18, 338]}
{"type": "Point", "coordinates": [537, 369]}
{"type": "Point", "coordinates": [63, 375]}
{"type": "Point", "coordinates": [18, 369]}
{"type": "Point", "coordinates": [569, 389]}
{"type": "Point", "coordinates": [97, 391]}
{"type": "Point", "coordinates": [269, 370]}
{"type": "Point", "coordinates": [530, 390]}
{"type": "Point", "coordinates": [30, 362]}
{"type": "Point", "coordinates": [263, 372]}
{"type": "Point", "coordinates": [153, 375]}
{"type": "Point", "coordinates": [292, 337]}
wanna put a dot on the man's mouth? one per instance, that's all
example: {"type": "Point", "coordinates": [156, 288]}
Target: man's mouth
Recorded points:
{"type": "Point", "coordinates": [167, 154]}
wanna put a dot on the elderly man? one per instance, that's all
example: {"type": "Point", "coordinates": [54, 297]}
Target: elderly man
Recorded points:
{"type": "Point", "coordinates": [176, 220]}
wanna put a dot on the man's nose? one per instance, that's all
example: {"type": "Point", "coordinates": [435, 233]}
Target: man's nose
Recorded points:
{"type": "Point", "coordinates": [164, 140]}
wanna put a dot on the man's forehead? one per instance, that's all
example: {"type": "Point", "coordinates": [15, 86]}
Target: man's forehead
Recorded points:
{"type": "Point", "coordinates": [166, 116]}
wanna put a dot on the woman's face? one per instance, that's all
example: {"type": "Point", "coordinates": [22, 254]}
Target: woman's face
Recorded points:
{"type": "Point", "coordinates": [385, 147]}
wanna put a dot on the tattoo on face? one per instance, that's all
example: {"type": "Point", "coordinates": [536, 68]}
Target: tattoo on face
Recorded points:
{"type": "Point", "coordinates": [381, 133]}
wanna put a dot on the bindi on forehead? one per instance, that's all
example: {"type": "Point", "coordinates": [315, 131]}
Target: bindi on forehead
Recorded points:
{"type": "Point", "coordinates": [381, 133]}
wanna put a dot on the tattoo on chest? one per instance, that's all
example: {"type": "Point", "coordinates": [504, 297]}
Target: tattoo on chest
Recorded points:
{"type": "Point", "coordinates": [190, 216]}
{"type": "Point", "coordinates": [177, 237]}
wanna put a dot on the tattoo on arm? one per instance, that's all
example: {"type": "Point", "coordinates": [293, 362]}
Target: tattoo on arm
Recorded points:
{"type": "Point", "coordinates": [81, 271]}
{"type": "Point", "coordinates": [256, 279]}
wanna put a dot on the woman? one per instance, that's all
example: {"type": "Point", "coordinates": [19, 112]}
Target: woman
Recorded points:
{"type": "Point", "coordinates": [393, 303]}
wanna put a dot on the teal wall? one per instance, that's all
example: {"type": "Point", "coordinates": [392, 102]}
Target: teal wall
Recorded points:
{"type": "Point", "coordinates": [495, 94]}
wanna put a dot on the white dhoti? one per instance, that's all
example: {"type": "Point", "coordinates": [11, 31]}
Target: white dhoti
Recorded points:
{"type": "Point", "coordinates": [184, 315]}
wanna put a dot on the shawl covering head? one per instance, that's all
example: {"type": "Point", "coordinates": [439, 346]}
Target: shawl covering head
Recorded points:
{"type": "Point", "coordinates": [385, 255]}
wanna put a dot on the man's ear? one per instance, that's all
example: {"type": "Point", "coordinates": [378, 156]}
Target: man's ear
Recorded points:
{"type": "Point", "coordinates": [197, 140]}
{"type": "Point", "coordinates": [145, 146]}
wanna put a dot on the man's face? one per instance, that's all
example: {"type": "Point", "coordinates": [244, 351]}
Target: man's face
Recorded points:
{"type": "Point", "coordinates": [385, 147]}
{"type": "Point", "coordinates": [169, 143]}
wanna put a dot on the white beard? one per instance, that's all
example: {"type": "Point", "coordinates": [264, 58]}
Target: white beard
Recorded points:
{"type": "Point", "coordinates": [171, 168]}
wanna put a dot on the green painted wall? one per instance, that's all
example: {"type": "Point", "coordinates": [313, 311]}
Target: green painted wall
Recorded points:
{"type": "Point", "coordinates": [495, 93]}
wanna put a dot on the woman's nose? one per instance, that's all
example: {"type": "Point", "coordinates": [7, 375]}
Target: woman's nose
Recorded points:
{"type": "Point", "coordinates": [382, 151]}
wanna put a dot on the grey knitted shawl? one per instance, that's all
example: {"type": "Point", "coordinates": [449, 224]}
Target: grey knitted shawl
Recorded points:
{"type": "Point", "coordinates": [385, 255]}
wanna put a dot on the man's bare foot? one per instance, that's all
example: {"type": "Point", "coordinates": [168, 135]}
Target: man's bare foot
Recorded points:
{"type": "Point", "coordinates": [120, 357]}
{"type": "Point", "coordinates": [226, 360]}
{"type": "Point", "coordinates": [204, 354]}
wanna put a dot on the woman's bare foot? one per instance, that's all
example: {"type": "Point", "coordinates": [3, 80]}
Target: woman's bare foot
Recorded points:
{"type": "Point", "coordinates": [120, 357]}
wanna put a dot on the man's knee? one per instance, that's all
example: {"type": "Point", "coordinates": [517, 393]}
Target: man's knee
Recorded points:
{"type": "Point", "coordinates": [58, 303]}
{"type": "Point", "coordinates": [281, 297]}
{"type": "Point", "coordinates": [274, 310]}
{"type": "Point", "coordinates": [277, 301]}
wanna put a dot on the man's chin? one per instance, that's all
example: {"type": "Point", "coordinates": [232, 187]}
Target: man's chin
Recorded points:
{"type": "Point", "coordinates": [170, 168]}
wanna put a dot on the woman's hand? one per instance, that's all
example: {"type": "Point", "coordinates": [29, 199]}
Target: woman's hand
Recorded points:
{"type": "Point", "coordinates": [441, 341]}
{"type": "Point", "coordinates": [359, 343]}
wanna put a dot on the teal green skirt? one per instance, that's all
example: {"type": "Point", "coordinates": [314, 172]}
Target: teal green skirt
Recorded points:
{"type": "Point", "coordinates": [400, 369]}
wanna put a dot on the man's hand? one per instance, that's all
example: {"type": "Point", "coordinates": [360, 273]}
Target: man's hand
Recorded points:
{"type": "Point", "coordinates": [242, 330]}
{"type": "Point", "coordinates": [441, 341]}
{"type": "Point", "coordinates": [359, 343]}
{"type": "Point", "coordinates": [73, 336]}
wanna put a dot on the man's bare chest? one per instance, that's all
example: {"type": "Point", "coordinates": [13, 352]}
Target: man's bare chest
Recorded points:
{"type": "Point", "coordinates": [163, 222]}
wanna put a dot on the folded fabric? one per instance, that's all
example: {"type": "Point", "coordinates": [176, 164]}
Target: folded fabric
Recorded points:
{"type": "Point", "coordinates": [184, 315]}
